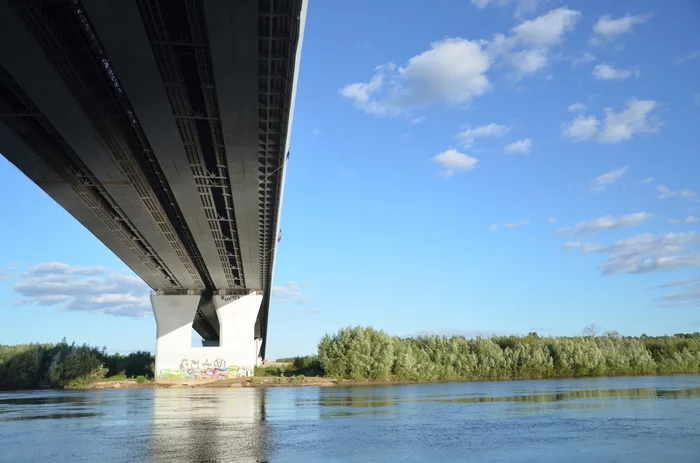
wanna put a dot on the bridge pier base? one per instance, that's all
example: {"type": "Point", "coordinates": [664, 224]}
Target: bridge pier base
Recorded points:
{"type": "Point", "coordinates": [237, 353]}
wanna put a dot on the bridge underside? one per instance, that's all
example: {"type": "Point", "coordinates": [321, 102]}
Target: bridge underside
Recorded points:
{"type": "Point", "coordinates": [163, 127]}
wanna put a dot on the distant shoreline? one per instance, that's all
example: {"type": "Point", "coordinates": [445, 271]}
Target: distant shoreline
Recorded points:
{"type": "Point", "coordinates": [317, 381]}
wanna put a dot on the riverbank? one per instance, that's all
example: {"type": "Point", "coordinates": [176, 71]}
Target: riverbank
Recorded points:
{"type": "Point", "coordinates": [316, 381]}
{"type": "Point", "coordinates": [252, 381]}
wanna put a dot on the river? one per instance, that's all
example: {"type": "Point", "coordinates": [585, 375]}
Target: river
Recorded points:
{"type": "Point", "coordinates": [628, 419]}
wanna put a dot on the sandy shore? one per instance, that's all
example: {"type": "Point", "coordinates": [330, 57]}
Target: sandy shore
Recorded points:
{"type": "Point", "coordinates": [253, 381]}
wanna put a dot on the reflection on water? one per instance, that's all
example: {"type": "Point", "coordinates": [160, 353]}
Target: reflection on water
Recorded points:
{"type": "Point", "coordinates": [205, 425]}
{"type": "Point", "coordinates": [603, 419]}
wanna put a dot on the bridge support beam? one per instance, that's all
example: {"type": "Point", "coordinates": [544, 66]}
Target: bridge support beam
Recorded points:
{"type": "Point", "coordinates": [237, 353]}
{"type": "Point", "coordinates": [174, 316]}
{"type": "Point", "coordinates": [237, 328]}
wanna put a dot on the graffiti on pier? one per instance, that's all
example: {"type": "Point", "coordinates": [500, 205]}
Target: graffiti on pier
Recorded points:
{"type": "Point", "coordinates": [190, 369]}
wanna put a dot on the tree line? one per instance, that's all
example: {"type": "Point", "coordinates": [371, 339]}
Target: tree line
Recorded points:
{"type": "Point", "coordinates": [363, 353]}
{"type": "Point", "coordinates": [31, 366]}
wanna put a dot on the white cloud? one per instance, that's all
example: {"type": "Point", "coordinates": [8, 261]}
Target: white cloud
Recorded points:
{"type": "Point", "coordinates": [529, 45]}
{"type": "Point", "coordinates": [290, 292]}
{"type": "Point", "coordinates": [647, 253]}
{"type": "Point", "coordinates": [605, 223]}
{"type": "Point", "coordinates": [521, 6]}
{"type": "Point", "coordinates": [418, 120]}
{"type": "Point", "coordinates": [552, 220]}
{"type": "Point", "coordinates": [59, 268]}
{"type": "Point", "coordinates": [615, 127]}
{"type": "Point", "coordinates": [601, 182]}
{"type": "Point", "coordinates": [689, 219]}
{"type": "Point", "coordinates": [608, 72]}
{"type": "Point", "coordinates": [317, 132]}
{"type": "Point", "coordinates": [454, 161]}
{"type": "Point", "coordinates": [518, 224]}
{"type": "Point", "coordinates": [584, 57]}
{"type": "Point", "coordinates": [363, 93]}
{"type": "Point", "coordinates": [80, 289]}
{"type": "Point", "coordinates": [520, 146]}
{"type": "Point", "coordinates": [576, 107]}
{"type": "Point", "coordinates": [493, 228]}
{"type": "Point", "coordinates": [689, 57]}
{"type": "Point", "coordinates": [569, 245]}
{"type": "Point", "coordinates": [648, 180]}
{"type": "Point", "coordinates": [582, 128]}
{"type": "Point", "coordinates": [452, 71]}
{"type": "Point", "coordinates": [690, 296]}
{"type": "Point", "coordinates": [546, 30]}
{"type": "Point", "coordinates": [468, 136]}
{"type": "Point", "coordinates": [666, 193]}
{"type": "Point", "coordinates": [608, 29]}
{"type": "Point", "coordinates": [674, 283]}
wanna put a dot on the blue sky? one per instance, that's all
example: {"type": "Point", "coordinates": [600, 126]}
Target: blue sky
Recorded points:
{"type": "Point", "coordinates": [495, 166]}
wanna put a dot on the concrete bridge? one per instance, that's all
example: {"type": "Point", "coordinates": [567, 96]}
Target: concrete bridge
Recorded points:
{"type": "Point", "coordinates": [163, 127]}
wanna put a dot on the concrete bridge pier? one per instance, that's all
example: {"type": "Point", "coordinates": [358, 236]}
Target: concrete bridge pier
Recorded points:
{"type": "Point", "coordinates": [237, 352]}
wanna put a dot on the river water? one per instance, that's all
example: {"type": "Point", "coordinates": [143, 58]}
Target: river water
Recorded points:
{"type": "Point", "coordinates": [635, 419]}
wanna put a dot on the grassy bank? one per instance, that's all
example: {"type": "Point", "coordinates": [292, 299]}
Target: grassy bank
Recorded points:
{"type": "Point", "coordinates": [32, 366]}
{"type": "Point", "coordinates": [366, 355]}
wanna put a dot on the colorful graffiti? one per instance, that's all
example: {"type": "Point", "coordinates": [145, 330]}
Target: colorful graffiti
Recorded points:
{"type": "Point", "coordinates": [191, 369]}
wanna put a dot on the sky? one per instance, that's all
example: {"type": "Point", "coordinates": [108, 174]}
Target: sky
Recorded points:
{"type": "Point", "coordinates": [457, 167]}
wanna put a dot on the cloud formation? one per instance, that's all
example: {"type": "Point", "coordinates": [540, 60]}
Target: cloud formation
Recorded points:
{"type": "Point", "coordinates": [582, 58]}
{"type": "Point", "coordinates": [608, 29]}
{"type": "Point", "coordinates": [674, 283]}
{"type": "Point", "coordinates": [666, 193]}
{"type": "Point", "coordinates": [576, 108]}
{"type": "Point", "coordinates": [290, 292]}
{"type": "Point", "coordinates": [690, 296]}
{"type": "Point", "coordinates": [84, 289]}
{"type": "Point", "coordinates": [453, 161]}
{"type": "Point", "coordinates": [522, 7]}
{"type": "Point", "coordinates": [518, 224]}
{"type": "Point", "coordinates": [689, 57]}
{"type": "Point", "coordinates": [601, 182]}
{"type": "Point", "coordinates": [491, 130]}
{"type": "Point", "coordinates": [608, 72]}
{"type": "Point", "coordinates": [608, 222]}
{"type": "Point", "coordinates": [529, 45]}
{"type": "Point", "coordinates": [615, 127]}
{"type": "Point", "coordinates": [647, 253]}
{"type": "Point", "coordinates": [520, 146]}
{"type": "Point", "coordinates": [452, 71]}
{"type": "Point", "coordinates": [689, 219]}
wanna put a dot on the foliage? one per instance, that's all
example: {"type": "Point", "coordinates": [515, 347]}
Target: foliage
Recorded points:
{"type": "Point", "coordinates": [307, 365]}
{"type": "Point", "coordinates": [30, 366]}
{"type": "Point", "coordinates": [364, 353]}
{"type": "Point", "coordinates": [269, 371]}
{"type": "Point", "coordinates": [139, 363]}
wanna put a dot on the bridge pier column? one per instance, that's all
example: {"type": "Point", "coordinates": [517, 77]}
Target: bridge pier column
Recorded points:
{"type": "Point", "coordinates": [236, 353]}
{"type": "Point", "coordinates": [237, 329]}
{"type": "Point", "coordinates": [174, 316]}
